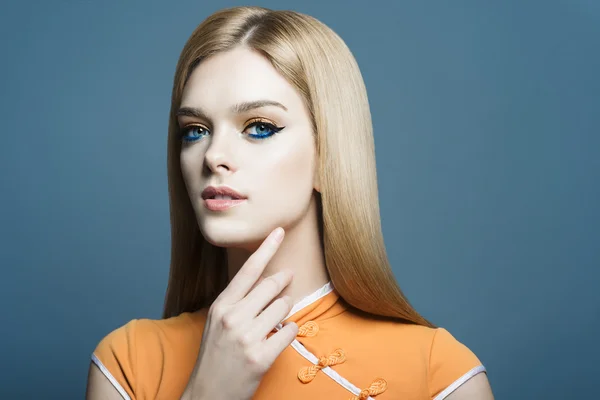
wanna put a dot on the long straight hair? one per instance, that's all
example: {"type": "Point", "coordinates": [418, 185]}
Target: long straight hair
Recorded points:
{"type": "Point", "coordinates": [319, 65]}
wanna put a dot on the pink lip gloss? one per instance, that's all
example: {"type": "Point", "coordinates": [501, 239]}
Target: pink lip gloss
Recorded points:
{"type": "Point", "coordinates": [222, 205]}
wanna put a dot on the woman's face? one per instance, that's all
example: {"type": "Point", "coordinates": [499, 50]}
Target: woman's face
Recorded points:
{"type": "Point", "coordinates": [267, 154]}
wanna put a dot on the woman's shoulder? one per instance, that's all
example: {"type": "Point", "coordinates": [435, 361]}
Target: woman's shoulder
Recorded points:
{"type": "Point", "coordinates": [382, 331]}
{"type": "Point", "coordinates": [431, 355]}
{"type": "Point", "coordinates": [136, 356]}
{"type": "Point", "coordinates": [451, 363]}
{"type": "Point", "coordinates": [358, 325]}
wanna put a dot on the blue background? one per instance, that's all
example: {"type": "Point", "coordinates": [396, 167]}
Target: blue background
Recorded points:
{"type": "Point", "coordinates": [486, 117]}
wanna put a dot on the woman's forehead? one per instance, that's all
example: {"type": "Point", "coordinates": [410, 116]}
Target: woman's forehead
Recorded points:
{"type": "Point", "coordinates": [234, 77]}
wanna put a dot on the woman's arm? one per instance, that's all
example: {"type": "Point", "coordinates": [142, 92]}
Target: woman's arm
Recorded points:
{"type": "Point", "coordinates": [99, 387]}
{"type": "Point", "coordinates": [476, 388]}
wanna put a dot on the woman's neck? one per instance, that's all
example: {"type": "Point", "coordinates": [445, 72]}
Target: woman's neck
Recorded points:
{"type": "Point", "coordinates": [300, 251]}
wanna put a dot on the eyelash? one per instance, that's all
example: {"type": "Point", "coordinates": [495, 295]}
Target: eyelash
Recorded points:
{"type": "Point", "coordinates": [274, 129]}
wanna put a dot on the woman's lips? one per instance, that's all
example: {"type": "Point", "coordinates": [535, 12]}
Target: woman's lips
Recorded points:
{"type": "Point", "coordinates": [222, 204]}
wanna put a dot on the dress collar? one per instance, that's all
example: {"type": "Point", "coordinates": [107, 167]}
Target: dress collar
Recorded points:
{"type": "Point", "coordinates": [323, 303]}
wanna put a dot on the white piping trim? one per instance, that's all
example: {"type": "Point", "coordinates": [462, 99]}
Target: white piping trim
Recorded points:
{"type": "Point", "coordinates": [456, 384]}
{"type": "Point", "coordinates": [327, 370]}
{"type": "Point", "coordinates": [311, 298]}
{"type": "Point", "coordinates": [111, 378]}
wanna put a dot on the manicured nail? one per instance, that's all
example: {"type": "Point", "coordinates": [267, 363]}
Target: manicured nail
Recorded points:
{"type": "Point", "coordinates": [278, 234]}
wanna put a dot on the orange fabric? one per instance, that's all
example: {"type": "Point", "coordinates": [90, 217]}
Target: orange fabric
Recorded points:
{"type": "Point", "coordinates": [153, 359]}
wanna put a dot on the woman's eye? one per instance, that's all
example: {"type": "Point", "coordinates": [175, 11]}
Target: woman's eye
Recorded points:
{"type": "Point", "coordinates": [262, 130]}
{"type": "Point", "coordinates": [257, 130]}
{"type": "Point", "coordinates": [191, 133]}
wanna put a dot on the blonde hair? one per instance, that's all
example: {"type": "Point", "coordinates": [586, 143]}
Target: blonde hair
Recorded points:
{"type": "Point", "coordinates": [319, 65]}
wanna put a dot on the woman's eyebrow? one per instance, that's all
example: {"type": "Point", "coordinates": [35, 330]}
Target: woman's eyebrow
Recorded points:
{"type": "Point", "coordinates": [237, 108]}
{"type": "Point", "coordinates": [250, 105]}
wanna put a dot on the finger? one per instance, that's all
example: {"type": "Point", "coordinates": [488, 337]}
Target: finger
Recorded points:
{"type": "Point", "coordinates": [269, 319]}
{"type": "Point", "coordinates": [274, 345]}
{"type": "Point", "coordinates": [264, 293]}
{"type": "Point", "coordinates": [252, 268]}
{"type": "Point", "coordinates": [262, 278]}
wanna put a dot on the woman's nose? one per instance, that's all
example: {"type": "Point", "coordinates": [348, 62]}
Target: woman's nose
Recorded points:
{"type": "Point", "coordinates": [219, 154]}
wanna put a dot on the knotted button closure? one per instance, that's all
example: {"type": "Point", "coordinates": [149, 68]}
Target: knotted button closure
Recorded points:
{"type": "Point", "coordinates": [308, 329]}
{"type": "Point", "coordinates": [307, 374]}
{"type": "Point", "coordinates": [378, 386]}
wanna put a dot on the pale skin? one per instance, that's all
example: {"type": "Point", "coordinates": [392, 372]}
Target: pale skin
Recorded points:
{"type": "Point", "coordinates": [279, 176]}
{"type": "Point", "coordinates": [277, 173]}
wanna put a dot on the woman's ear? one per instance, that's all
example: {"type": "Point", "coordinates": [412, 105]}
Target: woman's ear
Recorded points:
{"type": "Point", "coordinates": [317, 182]}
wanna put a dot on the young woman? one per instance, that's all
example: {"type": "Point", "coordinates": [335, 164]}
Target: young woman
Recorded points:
{"type": "Point", "coordinates": [270, 135]}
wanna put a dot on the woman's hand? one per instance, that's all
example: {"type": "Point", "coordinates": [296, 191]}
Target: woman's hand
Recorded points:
{"type": "Point", "coordinates": [235, 353]}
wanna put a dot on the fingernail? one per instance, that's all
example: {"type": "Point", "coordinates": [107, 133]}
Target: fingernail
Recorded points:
{"type": "Point", "coordinates": [278, 234]}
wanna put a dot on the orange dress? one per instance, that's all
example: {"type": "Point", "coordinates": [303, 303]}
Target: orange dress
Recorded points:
{"type": "Point", "coordinates": [337, 354]}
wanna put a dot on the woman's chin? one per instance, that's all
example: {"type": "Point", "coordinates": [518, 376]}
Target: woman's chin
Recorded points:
{"type": "Point", "coordinates": [230, 238]}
